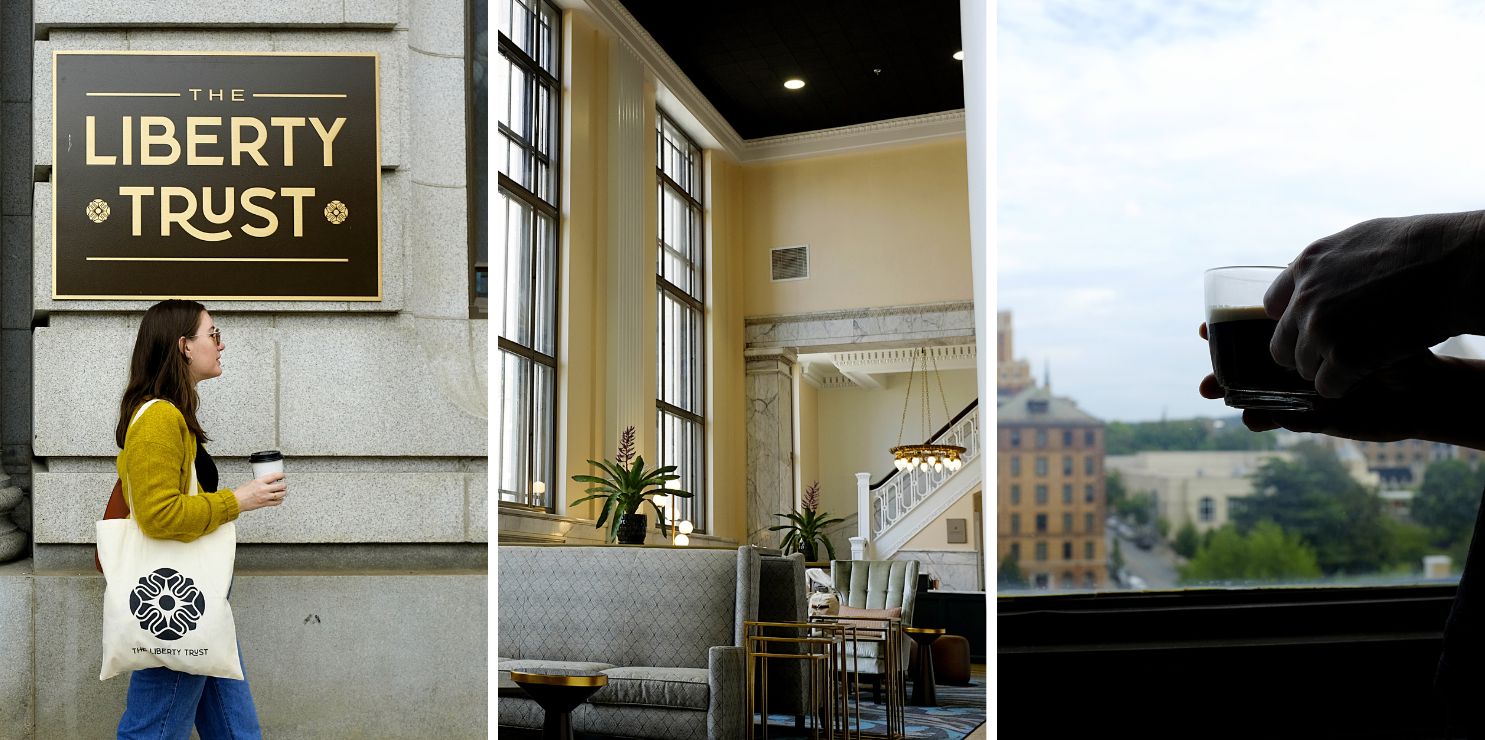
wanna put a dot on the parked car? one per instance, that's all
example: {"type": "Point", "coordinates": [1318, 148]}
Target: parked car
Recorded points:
{"type": "Point", "coordinates": [1137, 583]}
{"type": "Point", "coordinates": [1145, 539]}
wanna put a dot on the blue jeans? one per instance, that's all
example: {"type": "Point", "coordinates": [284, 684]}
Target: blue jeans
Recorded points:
{"type": "Point", "coordinates": [164, 704]}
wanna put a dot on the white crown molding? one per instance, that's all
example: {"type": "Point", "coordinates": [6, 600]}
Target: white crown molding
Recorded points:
{"type": "Point", "coordinates": [618, 22]}
{"type": "Point", "coordinates": [874, 135]}
{"type": "Point", "coordinates": [900, 360]}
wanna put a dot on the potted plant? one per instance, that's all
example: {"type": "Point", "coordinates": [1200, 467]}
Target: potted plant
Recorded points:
{"type": "Point", "coordinates": [807, 530]}
{"type": "Point", "coordinates": [624, 486]}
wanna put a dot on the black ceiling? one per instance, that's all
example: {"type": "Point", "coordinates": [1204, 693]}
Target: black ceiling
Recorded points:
{"type": "Point", "coordinates": [739, 52]}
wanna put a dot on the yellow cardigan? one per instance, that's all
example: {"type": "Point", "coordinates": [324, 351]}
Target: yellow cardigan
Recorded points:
{"type": "Point", "coordinates": [155, 468]}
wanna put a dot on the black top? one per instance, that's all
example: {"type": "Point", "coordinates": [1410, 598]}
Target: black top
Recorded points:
{"type": "Point", "coordinates": [206, 469]}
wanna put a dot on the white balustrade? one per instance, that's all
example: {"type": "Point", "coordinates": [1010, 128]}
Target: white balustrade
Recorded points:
{"type": "Point", "coordinates": [905, 490]}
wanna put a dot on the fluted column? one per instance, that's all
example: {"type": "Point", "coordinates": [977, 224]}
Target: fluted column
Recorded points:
{"type": "Point", "coordinates": [770, 381]}
{"type": "Point", "coordinates": [629, 272]}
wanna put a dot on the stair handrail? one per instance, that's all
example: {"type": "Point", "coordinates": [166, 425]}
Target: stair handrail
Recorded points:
{"type": "Point", "coordinates": [890, 499]}
{"type": "Point", "coordinates": [937, 437]}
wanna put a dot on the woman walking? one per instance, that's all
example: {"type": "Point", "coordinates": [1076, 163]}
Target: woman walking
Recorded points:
{"type": "Point", "coordinates": [177, 347]}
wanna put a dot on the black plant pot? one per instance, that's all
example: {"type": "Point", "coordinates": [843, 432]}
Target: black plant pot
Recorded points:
{"type": "Point", "coordinates": [632, 529]}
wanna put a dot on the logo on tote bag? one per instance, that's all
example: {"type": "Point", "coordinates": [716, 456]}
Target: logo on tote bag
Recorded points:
{"type": "Point", "coordinates": [167, 604]}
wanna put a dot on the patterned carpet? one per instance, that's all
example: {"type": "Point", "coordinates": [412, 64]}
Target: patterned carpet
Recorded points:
{"type": "Point", "coordinates": [961, 709]}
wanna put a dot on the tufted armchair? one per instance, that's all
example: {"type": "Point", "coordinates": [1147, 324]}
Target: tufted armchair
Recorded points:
{"type": "Point", "coordinates": [877, 584]}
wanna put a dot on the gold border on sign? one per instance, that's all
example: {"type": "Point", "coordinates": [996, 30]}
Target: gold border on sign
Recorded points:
{"type": "Point", "coordinates": [376, 81]}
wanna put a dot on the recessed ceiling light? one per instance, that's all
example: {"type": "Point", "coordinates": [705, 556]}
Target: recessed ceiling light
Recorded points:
{"type": "Point", "coordinates": [959, 55]}
{"type": "Point", "coordinates": [794, 84]}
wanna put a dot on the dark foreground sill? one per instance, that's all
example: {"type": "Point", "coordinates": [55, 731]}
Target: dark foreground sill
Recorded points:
{"type": "Point", "coordinates": [1300, 662]}
{"type": "Point", "coordinates": [1221, 617]}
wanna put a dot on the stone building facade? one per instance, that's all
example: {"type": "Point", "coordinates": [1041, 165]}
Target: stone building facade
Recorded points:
{"type": "Point", "coordinates": [361, 602]}
{"type": "Point", "coordinates": [1050, 484]}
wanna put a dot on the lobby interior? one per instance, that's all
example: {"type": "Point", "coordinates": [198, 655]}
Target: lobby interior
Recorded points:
{"type": "Point", "coordinates": [773, 287]}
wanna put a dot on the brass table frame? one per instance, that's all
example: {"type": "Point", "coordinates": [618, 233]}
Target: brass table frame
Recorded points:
{"type": "Point", "coordinates": [891, 637]}
{"type": "Point", "coordinates": [834, 688]}
{"type": "Point", "coordinates": [822, 648]}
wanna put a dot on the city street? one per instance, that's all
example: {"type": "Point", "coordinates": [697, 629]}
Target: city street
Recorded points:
{"type": "Point", "coordinates": [1156, 565]}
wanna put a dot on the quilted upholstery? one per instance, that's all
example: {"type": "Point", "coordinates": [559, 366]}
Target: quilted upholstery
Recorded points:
{"type": "Point", "coordinates": [625, 721]}
{"type": "Point", "coordinates": [621, 605]}
{"type": "Point", "coordinates": [877, 584]}
{"type": "Point", "coordinates": [683, 688]}
{"type": "Point", "coordinates": [664, 624]}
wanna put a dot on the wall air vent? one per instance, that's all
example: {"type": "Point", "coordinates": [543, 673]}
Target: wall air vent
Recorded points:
{"type": "Point", "coordinates": [791, 263]}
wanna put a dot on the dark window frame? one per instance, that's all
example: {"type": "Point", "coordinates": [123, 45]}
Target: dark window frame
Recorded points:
{"type": "Point", "coordinates": [511, 53]}
{"type": "Point", "coordinates": [697, 508]}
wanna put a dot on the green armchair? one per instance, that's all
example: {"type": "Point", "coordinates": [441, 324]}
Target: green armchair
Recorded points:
{"type": "Point", "coordinates": [877, 584]}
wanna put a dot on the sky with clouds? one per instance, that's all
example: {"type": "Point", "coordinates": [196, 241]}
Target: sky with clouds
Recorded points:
{"type": "Point", "coordinates": [1141, 142]}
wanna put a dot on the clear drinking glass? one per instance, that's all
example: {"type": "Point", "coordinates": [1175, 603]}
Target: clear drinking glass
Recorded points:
{"type": "Point", "coordinates": [1238, 335]}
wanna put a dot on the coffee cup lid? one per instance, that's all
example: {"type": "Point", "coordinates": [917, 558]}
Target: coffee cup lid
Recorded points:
{"type": "Point", "coordinates": [265, 456]}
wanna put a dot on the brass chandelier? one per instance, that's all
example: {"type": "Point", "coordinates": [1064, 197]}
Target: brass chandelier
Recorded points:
{"type": "Point", "coordinates": [926, 456]}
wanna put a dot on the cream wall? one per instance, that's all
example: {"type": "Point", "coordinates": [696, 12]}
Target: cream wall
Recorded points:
{"type": "Point", "coordinates": [585, 431]}
{"type": "Point", "coordinates": [857, 427]}
{"type": "Point", "coordinates": [726, 384]}
{"type": "Point", "coordinates": [861, 214]}
{"type": "Point", "coordinates": [808, 438]}
{"type": "Point", "coordinates": [936, 535]}
{"type": "Point", "coordinates": [584, 291]}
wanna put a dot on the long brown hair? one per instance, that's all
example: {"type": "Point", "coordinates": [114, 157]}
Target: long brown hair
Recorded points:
{"type": "Point", "coordinates": [158, 369]}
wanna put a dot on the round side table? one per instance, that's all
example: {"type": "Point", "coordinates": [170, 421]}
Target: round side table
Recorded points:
{"type": "Point", "coordinates": [558, 696]}
{"type": "Point", "coordinates": [923, 693]}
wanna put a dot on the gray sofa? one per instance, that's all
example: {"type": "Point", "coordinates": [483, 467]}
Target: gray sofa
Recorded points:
{"type": "Point", "coordinates": [665, 626]}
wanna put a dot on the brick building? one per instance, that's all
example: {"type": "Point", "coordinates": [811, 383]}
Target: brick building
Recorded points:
{"type": "Point", "coordinates": [1050, 485]}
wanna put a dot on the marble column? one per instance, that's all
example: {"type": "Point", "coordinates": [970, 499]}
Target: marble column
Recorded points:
{"type": "Point", "coordinates": [770, 385]}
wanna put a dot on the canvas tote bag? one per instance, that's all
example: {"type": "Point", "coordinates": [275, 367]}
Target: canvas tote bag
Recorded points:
{"type": "Point", "coordinates": [166, 601]}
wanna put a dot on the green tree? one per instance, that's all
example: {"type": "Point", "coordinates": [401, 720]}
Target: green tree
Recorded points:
{"type": "Point", "coordinates": [1407, 544]}
{"type": "Point", "coordinates": [1235, 436]}
{"type": "Point", "coordinates": [1140, 507]}
{"type": "Point", "coordinates": [1187, 540]}
{"type": "Point", "coordinates": [1008, 576]}
{"type": "Point", "coordinates": [1266, 553]}
{"type": "Point", "coordinates": [1114, 490]}
{"type": "Point", "coordinates": [1162, 525]}
{"type": "Point", "coordinates": [1116, 559]}
{"type": "Point", "coordinates": [1448, 499]}
{"type": "Point", "coordinates": [1127, 438]}
{"type": "Point", "coordinates": [1315, 498]}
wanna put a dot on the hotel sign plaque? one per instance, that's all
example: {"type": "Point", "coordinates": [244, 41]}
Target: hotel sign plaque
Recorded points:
{"type": "Point", "coordinates": [216, 176]}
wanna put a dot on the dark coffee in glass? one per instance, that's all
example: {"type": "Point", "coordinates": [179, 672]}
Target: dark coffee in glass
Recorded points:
{"type": "Point", "coordinates": [1238, 335]}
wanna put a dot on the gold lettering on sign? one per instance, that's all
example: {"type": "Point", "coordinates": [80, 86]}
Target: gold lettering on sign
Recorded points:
{"type": "Point", "coordinates": [170, 215]}
{"type": "Point", "coordinates": [194, 138]}
{"type": "Point", "coordinates": [240, 147]}
{"type": "Point", "coordinates": [288, 124]}
{"type": "Point", "coordinates": [159, 131]}
{"type": "Point", "coordinates": [271, 221]}
{"type": "Point", "coordinates": [148, 140]}
{"type": "Point", "coordinates": [327, 136]}
{"type": "Point", "coordinates": [94, 158]}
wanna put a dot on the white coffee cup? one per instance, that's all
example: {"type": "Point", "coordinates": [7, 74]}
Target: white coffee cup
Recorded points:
{"type": "Point", "coordinates": [265, 462]}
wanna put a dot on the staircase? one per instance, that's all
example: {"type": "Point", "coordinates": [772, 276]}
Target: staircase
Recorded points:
{"type": "Point", "coordinates": [891, 511]}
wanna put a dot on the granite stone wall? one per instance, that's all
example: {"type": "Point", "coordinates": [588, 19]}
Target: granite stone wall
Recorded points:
{"type": "Point", "coordinates": [362, 597]}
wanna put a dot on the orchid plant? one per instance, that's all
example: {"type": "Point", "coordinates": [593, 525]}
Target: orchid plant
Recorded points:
{"type": "Point", "coordinates": [626, 485]}
{"type": "Point", "coordinates": [806, 530]}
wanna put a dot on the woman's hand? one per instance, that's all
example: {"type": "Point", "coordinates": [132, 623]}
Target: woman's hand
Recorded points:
{"type": "Point", "coordinates": [260, 492]}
